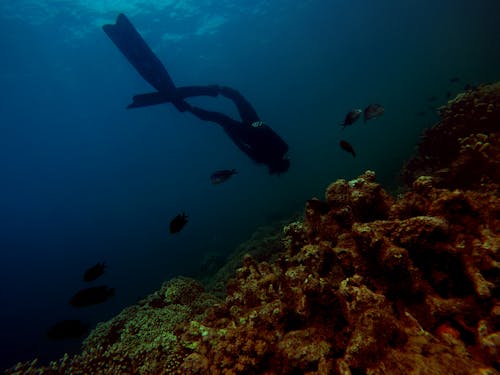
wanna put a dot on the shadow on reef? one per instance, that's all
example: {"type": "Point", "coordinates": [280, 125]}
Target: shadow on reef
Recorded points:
{"type": "Point", "coordinates": [364, 284]}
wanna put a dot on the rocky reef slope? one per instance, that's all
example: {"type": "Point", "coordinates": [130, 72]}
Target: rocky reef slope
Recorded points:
{"type": "Point", "coordinates": [366, 283]}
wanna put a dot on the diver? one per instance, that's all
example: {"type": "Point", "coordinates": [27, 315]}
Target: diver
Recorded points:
{"type": "Point", "coordinates": [250, 134]}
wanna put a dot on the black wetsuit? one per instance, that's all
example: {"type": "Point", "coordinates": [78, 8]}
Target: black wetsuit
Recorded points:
{"type": "Point", "coordinates": [251, 135]}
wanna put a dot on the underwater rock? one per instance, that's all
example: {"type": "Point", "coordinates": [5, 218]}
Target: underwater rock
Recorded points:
{"type": "Point", "coordinates": [463, 149]}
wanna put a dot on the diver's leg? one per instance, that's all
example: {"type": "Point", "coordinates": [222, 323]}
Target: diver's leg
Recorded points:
{"type": "Point", "coordinates": [234, 129]}
{"type": "Point", "coordinates": [190, 91]}
{"type": "Point", "coordinates": [247, 112]}
{"type": "Point", "coordinates": [176, 96]}
{"type": "Point", "coordinates": [212, 116]}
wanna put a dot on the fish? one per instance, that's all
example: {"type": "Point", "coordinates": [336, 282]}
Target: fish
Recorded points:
{"type": "Point", "coordinates": [421, 113]}
{"type": "Point", "coordinates": [94, 272]}
{"type": "Point", "coordinates": [454, 79]}
{"type": "Point", "coordinates": [67, 329]}
{"type": "Point", "coordinates": [431, 98]}
{"type": "Point", "coordinates": [346, 146]}
{"type": "Point", "coordinates": [351, 117]}
{"type": "Point", "coordinates": [220, 176]}
{"type": "Point", "coordinates": [178, 223]}
{"type": "Point", "coordinates": [91, 296]}
{"type": "Point", "coordinates": [469, 86]}
{"type": "Point", "coordinates": [373, 111]}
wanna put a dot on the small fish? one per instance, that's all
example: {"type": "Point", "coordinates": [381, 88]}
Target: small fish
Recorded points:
{"type": "Point", "coordinates": [431, 98]}
{"type": "Point", "coordinates": [454, 79]}
{"type": "Point", "coordinates": [94, 272]}
{"type": "Point", "coordinates": [178, 223]}
{"type": "Point", "coordinates": [91, 296]}
{"type": "Point", "coordinates": [346, 146]}
{"type": "Point", "coordinates": [218, 177]}
{"type": "Point", "coordinates": [421, 113]}
{"type": "Point", "coordinates": [373, 111]}
{"type": "Point", "coordinates": [469, 86]}
{"type": "Point", "coordinates": [351, 117]}
{"type": "Point", "coordinates": [67, 329]}
{"type": "Point", "coordinates": [448, 94]}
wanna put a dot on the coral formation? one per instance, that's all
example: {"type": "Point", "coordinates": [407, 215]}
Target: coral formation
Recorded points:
{"type": "Point", "coordinates": [366, 283]}
{"type": "Point", "coordinates": [462, 150]}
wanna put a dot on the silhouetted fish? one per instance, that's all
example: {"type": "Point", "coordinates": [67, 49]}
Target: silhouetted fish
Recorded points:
{"type": "Point", "coordinates": [454, 79]}
{"type": "Point", "coordinates": [67, 329]}
{"type": "Point", "coordinates": [431, 98]}
{"type": "Point", "coordinates": [178, 223]}
{"type": "Point", "coordinates": [373, 111]}
{"type": "Point", "coordinates": [91, 296]}
{"type": "Point", "coordinates": [218, 177]}
{"type": "Point", "coordinates": [346, 146]}
{"type": "Point", "coordinates": [94, 272]}
{"type": "Point", "coordinates": [421, 113]}
{"type": "Point", "coordinates": [469, 86]}
{"type": "Point", "coordinates": [351, 117]}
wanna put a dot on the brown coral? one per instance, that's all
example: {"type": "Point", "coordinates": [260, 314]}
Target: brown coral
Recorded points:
{"type": "Point", "coordinates": [463, 149]}
{"type": "Point", "coordinates": [367, 295]}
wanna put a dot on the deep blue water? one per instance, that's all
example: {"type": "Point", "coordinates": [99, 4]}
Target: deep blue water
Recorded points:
{"type": "Point", "coordinates": [85, 180]}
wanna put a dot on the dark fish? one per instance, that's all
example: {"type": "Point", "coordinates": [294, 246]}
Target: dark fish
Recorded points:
{"type": "Point", "coordinates": [448, 94]}
{"type": "Point", "coordinates": [346, 146]}
{"type": "Point", "coordinates": [431, 98]}
{"type": "Point", "coordinates": [67, 329]}
{"type": "Point", "coordinates": [469, 86]}
{"type": "Point", "coordinates": [178, 223]}
{"type": "Point", "coordinates": [351, 117]}
{"type": "Point", "coordinates": [94, 272]}
{"type": "Point", "coordinates": [421, 113]}
{"type": "Point", "coordinates": [373, 111]}
{"type": "Point", "coordinates": [91, 296]}
{"type": "Point", "coordinates": [218, 177]}
{"type": "Point", "coordinates": [454, 79]}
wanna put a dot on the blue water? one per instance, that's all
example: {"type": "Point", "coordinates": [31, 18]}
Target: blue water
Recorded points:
{"type": "Point", "coordinates": [85, 180]}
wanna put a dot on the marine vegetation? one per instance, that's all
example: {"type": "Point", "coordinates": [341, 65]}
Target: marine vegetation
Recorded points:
{"type": "Point", "coordinates": [365, 283]}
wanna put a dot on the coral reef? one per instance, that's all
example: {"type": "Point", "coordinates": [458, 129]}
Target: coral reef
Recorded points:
{"type": "Point", "coordinates": [462, 150]}
{"type": "Point", "coordinates": [365, 283]}
{"type": "Point", "coordinates": [264, 244]}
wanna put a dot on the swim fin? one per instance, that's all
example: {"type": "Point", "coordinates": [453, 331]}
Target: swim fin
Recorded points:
{"type": "Point", "coordinates": [139, 54]}
{"type": "Point", "coordinates": [152, 98]}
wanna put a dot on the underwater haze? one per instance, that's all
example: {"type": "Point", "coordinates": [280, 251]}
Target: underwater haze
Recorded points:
{"type": "Point", "coordinates": [84, 180]}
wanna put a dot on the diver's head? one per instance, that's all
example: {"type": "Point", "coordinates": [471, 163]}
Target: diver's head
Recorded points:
{"type": "Point", "coordinates": [279, 166]}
